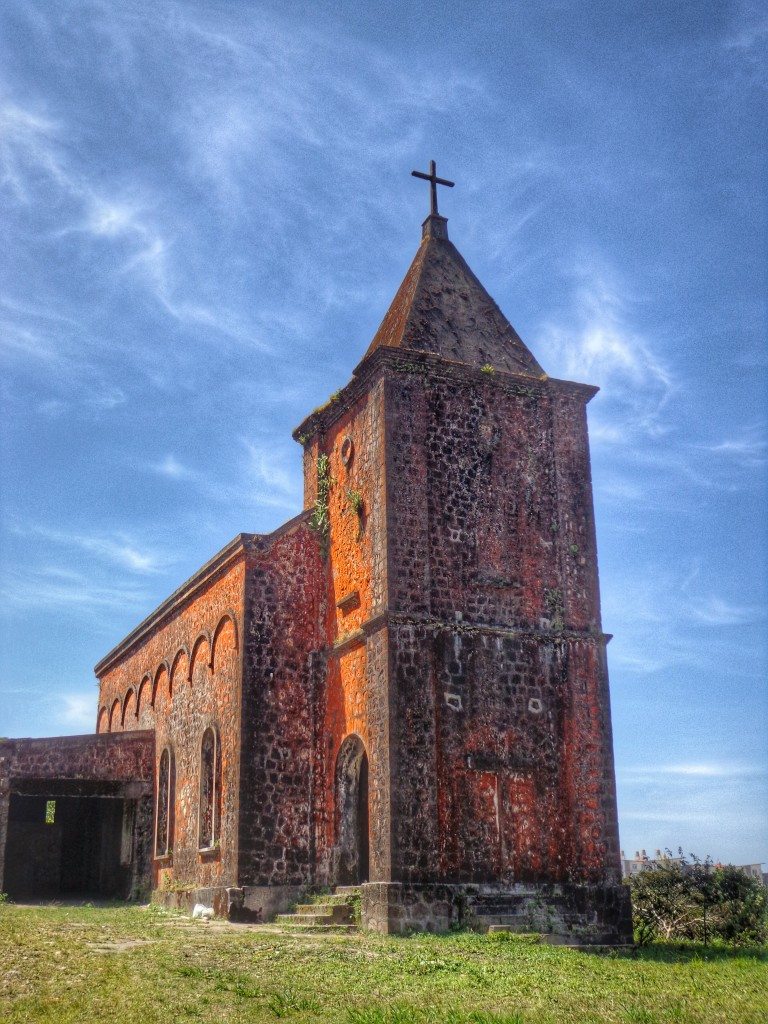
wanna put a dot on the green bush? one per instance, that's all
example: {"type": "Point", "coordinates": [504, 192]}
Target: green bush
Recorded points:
{"type": "Point", "coordinates": [693, 899]}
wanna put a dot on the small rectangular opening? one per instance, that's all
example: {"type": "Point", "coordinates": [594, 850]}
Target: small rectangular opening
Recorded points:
{"type": "Point", "coordinates": [50, 812]}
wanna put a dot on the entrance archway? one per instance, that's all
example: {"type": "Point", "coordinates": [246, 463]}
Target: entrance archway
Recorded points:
{"type": "Point", "coordinates": [352, 812]}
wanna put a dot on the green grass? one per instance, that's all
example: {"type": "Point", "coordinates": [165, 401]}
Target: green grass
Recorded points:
{"type": "Point", "coordinates": [77, 964]}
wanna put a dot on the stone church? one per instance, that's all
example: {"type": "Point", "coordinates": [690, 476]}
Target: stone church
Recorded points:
{"type": "Point", "coordinates": [402, 688]}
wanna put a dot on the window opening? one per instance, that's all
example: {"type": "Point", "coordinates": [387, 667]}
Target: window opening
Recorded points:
{"type": "Point", "coordinates": [210, 790]}
{"type": "Point", "coordinates": [50, 812]}
{"type": "Point", "coordinates": [165, 804]}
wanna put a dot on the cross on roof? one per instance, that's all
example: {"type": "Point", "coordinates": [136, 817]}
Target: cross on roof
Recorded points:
{"type": "Point", "coordinates": [434, 181]}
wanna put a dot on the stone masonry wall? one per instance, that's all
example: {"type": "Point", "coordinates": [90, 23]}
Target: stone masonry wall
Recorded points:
{"type": "Point", "coordinates": [501, 722]}
{"type": "Point", "coordinates": [181, 678]}
{"type": "Point", "coordinates": [74, 765]}
{"type": "Point", "coordinates": [352, 700]}
{"type": "Point", "coordinates": [283, 628]}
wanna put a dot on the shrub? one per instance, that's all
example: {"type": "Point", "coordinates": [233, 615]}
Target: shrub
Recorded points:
{"type": "Point", "coordinates": [693, 899]}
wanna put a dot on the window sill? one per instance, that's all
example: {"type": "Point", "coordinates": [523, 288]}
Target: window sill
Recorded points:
{"type": "Point", "coordinates": [209, 853]}
{"type": "Point", "coordinates": [164, 858]}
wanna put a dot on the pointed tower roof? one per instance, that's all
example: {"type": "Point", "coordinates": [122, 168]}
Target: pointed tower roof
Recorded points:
{"type": "Point", "coordinates": [441, 307]}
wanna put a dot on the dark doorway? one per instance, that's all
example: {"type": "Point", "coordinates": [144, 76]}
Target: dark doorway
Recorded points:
{"type": "Point", "coordinates": [68, 845]}
{"type": "Point", "coordinates": [352, 819]}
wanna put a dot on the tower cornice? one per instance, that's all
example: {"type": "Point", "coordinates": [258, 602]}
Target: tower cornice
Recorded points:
{"type": "Point", "coordinates": [428, 366]}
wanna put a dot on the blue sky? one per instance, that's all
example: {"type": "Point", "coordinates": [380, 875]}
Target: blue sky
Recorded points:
{"type": "Point", "coordinates": [207, 209]}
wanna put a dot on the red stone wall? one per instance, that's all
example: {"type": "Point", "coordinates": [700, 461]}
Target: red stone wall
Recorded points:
{"type": "Point", "coordinates": [502, 761]}
{"type": "Point", "coordinates": [284, 602]}
{"type": "Point", "coordinates": [354, 695]}
{"type": "Point", "coordinates": [184, 676]}
{"type": "Point", "coordinates": [87, 758]}
{"type": "Point", "coordinates": [353, 698]}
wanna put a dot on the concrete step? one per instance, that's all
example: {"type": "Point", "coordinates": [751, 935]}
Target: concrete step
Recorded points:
{"type": "Point", "coordinates": [310, 929]}
{"type": "Point", "coordinates": [340, 913]}
{"type": "Point", "coordinates": [529, 937]}
{"type": "Point", "coordinates": [333, 912]}
{"type": "Point", "coordinates": [314, 919]}
{"type": "Point", "coordinates": [518, 921]}
{"type": "Point", "coordinates": [331, 899]}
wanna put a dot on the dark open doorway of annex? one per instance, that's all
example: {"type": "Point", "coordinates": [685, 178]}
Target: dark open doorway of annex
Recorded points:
{"type": "Point", "coordinates": [70, 845]}
{"type": "Point", "coordinates": [352, 815]}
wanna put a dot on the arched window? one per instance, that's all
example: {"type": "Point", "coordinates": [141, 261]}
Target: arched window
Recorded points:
{"type": "Point", "coordinates": [210, 790]}
{"type": "Point", "coordinates": [166, 798]}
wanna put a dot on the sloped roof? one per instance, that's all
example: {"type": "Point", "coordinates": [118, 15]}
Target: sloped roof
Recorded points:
{"type": "Point", "coordinates": [441, 307]}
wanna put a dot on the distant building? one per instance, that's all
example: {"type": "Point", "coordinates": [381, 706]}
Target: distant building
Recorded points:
{"type": "Point", "coordinates": [631, 866]}
{"type": "Point", "coordinates": [754, 871]}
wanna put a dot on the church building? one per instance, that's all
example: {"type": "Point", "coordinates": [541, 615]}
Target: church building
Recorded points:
{"type": "Point", "coordinates": [404, 688]}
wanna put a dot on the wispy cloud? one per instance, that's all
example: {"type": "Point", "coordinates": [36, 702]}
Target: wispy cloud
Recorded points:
{"type": "Point", "coordinates": [269, 471]}
{"type": "Point", "coordinates": [662, 615]}
{"type": "Point", "coordinates": [747, 448]}
{"type": "Point", "coordinates": [171, 468]}
{"type": "Point", "coordinates": [50, 588]}
{"type": "Point", "coordinates": [116, 548]}
{"type": "Point", "coordinates": [711, 610]}
{"type": "Point", "coordinates": [597, 341]}
{"type": "Point", "coordinates": [695, 770]}
{"type": "Point", "coordinates": [258, 473]}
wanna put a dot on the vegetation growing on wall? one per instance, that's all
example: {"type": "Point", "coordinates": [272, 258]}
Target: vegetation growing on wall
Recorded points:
{"type": "Point", "coordinates": [320, 520]}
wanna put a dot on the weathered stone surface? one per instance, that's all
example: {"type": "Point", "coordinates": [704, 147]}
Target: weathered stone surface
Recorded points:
{"type": "Point", "coordinates": [102, 786]}
{"type": "Point", "coordinates": [441, 307]}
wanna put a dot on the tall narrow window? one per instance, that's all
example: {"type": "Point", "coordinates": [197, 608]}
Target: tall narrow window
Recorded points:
{"type": "Point", "coordinates": [165, 804]}
{"type": "Point", "coordinates": [210, 790]}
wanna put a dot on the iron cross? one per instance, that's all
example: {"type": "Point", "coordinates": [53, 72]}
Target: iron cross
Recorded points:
{"type": "Point", "coordinates": [434, 181]}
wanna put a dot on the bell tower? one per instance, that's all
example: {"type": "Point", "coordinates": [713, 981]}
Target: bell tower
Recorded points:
{"type": "Point", "coordinates": [450, 487]}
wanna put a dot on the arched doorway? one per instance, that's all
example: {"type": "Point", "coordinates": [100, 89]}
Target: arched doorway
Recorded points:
{"type": "Point", "coordinates": [352, 812]}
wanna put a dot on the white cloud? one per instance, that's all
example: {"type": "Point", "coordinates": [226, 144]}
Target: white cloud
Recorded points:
{"type": "Point", "coordinates": [111, 219]}
{"type": "Point", "coordinates": [79, 710]}
{"type": "Point", "coordinates": [662, 615]}
{"type": "Point", "coordinates": [173, 469]}
{"type": "Point", "coordinates": [25, 149]}
{"type": "Point", "coordinates": [268, 466]}
{"type": "Point", "coordinates": [711, 610]}
{"type": "Point", "coordinates": [262, 474]}
{"type": "Point", "coordinates": [598, 343]}
{"type": "Point", "coordinates": [693, 770]}
{"type": "Point", "coordinates": [52, 589]}
{"type": "Point", "coordinates": [117, 548]}
{"type": "Point", "coordinates": [747, 448]}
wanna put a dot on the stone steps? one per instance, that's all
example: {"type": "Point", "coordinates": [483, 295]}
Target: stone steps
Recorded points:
{"type": "Point", "coordinates": [334, 912]}
{"type": "Point", "coordinates": [331, 899]}
{"type": "Point", "coordinates": [521, 913]}
{"type": "Point", "coordinates": [311, 929]}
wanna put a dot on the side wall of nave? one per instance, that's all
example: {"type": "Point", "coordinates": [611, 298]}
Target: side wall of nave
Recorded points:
{"type": "Point", "coordinates": [181, 678]}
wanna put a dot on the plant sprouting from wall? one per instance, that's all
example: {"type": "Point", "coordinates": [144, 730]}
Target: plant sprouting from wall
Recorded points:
{"type": "Point", "coordinates": [355, 500]}
{"type": "Point", "coordinates": [320, 519]}
{"type": "Point", "coordinates": [357, 504]}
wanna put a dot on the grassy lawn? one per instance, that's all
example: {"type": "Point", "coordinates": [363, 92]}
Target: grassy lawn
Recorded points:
{"type": "Point", "coordinates": [122, 964]}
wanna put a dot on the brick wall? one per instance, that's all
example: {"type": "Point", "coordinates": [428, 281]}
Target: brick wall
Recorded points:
{"type": "Point", "coordinates": [180, 676]}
